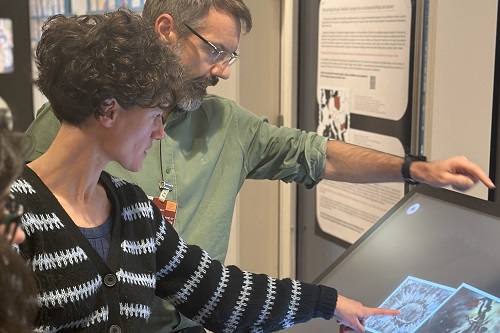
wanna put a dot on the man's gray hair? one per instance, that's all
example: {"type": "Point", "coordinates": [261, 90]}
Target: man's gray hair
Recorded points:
{"type": "Point", "coordinates": [193, 12]}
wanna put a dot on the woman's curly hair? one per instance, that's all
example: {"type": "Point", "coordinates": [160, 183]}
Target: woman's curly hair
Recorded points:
{"type": "Point", "coordinates": [84, 60]}
{"type": "Point", "coordinates": [12, 146]}
{"type": "Point", "coordinates": [18, 292]}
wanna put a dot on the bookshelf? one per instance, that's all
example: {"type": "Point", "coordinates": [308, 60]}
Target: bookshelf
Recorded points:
{"type": "Point", "coordinates": [41, 10]}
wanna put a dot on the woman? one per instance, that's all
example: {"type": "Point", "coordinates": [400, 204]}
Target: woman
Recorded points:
{"type": "Point", "coordinates": [18, 290]}
{"type": "Point", "coordinates": [12, 145]}
{"type": "Point", "coordinates": [97, 244]}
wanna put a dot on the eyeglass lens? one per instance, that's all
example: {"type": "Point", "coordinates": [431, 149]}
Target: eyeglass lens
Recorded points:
{"type": "Point", "coordinates": [220, 56]}
{"type": "Point", "coordinates": [224, 57]}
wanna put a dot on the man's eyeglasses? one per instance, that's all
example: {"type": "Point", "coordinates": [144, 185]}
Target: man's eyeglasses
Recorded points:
{"type": "Point", "coordinates": [10, 216]}
{"type": "Point", "coordinates": [219, 56]}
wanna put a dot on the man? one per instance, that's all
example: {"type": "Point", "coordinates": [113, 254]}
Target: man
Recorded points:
{"type": "Point", "coordinates": [215, 145]}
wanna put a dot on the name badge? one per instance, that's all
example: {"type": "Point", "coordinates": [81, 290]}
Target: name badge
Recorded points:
{"type": "Point", "coordinates": [167, 208]}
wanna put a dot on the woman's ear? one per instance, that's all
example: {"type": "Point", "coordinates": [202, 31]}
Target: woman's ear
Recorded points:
{"type": "Point", "coordinates": [108, 112]}
{"type": "Point", "coordinates": [166, 29]}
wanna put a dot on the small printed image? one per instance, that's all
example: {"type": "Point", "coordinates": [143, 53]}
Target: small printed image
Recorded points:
{"type": "Point", "coordinates": [468, 310]}
{"type": "Point", "coordinates": [416, 299]}
{"type": "Point", "coordinates": [334, 114]}
{"type": "Point", "coordinates": [6, 46]}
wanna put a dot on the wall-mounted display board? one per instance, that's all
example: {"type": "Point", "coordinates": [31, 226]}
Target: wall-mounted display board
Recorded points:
{"type": "Point", "coordinates": [366, 64]}
{"type": "Point", "coordinates": [454, 124]}
{"type": "Point", "coordinates": [390, 64]}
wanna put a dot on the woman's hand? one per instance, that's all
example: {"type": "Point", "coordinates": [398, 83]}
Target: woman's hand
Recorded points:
{"type": "Point", "coordinates": [352, 313]}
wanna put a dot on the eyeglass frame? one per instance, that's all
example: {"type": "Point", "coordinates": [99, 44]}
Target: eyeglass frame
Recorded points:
{"type": "Point", "coordinates": [10, 216]}
{"type": "Point", "coordinates": [232, 56]}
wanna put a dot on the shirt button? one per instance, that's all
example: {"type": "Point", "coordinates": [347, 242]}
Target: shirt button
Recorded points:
{"type": "Point", "coordinates": [110, 280]}
{"type": "Point", "coordinates": [167, 170]}
{"type": "Point", "coordinates": [115, 329]}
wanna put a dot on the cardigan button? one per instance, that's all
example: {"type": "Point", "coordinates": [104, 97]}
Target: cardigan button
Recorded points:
{"type": "Point", "coordinates": [110, 280]}
{"type": "Point", "coordinates": [115, 329]}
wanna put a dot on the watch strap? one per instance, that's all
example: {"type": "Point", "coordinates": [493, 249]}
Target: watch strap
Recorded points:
{"type": "Point", "coordinates": [405, 168]}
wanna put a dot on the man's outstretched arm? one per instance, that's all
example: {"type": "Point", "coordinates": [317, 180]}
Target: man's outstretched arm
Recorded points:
{"type": "Point", "coordinates": [354, 164]}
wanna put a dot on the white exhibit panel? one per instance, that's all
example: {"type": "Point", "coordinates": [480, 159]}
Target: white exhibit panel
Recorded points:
{"type": "Point", "coordinates": [364, 69]}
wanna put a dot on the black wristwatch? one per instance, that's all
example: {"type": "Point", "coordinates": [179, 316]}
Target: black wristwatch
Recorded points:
{"type": "Point", "coordinates": [405, 168]}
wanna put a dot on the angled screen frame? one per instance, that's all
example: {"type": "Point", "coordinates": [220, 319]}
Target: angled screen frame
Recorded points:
{"type": "Point", "coordinates": [451, 242]}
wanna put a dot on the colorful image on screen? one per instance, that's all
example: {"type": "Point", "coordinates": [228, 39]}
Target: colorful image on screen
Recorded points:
{"type": "Point", "coordinates": [468, 310]}
{"type": "Point", "coordinates": [417, 299]}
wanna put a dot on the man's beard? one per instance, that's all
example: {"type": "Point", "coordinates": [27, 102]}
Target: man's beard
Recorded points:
{"type": "Point", "coordinates": [196, 90]}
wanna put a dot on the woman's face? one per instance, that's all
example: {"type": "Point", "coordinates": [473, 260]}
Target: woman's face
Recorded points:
{"type": "Point", "coordinates": [135, 131]}
{"type": "Point", "coordinates": [10, 213]}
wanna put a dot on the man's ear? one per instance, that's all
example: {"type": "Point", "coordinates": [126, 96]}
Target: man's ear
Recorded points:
{"type": "Point", "coordinates": [165, 28]}
{"type": "Point", "coordinates": [108, 112]}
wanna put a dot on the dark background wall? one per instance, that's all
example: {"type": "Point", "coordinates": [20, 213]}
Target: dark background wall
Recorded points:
{"type": "Point", "coordinates": [16, 87]}
{"type": "Point", "coordinates": [311, 241]}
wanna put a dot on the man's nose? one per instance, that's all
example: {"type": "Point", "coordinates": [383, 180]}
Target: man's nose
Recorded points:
{"type": "Point", "coordinates": [221, 70]}
{"type": "Point", "coordinates": [159, 133]}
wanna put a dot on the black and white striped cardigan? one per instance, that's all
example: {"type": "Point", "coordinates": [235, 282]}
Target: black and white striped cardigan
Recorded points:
{"type": "Point", "coordinates": [79, 292]}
